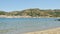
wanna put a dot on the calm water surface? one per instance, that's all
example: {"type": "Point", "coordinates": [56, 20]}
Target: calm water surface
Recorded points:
{"type": "Point", "coordinates": [21, 25]}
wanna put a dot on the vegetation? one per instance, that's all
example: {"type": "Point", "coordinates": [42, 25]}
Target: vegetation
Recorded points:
{"type": "Point", "coordinates": [33, 13]}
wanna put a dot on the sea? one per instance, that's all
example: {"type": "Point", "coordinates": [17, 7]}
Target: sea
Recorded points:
{"type": "Point", "coordinates": [23, 25]}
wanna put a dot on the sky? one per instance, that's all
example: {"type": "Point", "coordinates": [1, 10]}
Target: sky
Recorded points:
{"type": "Point", "coordinates": [12, 5]}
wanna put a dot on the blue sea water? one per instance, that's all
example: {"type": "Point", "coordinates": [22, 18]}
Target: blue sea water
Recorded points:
{"type": "Point", "coordinates": [22, 25]}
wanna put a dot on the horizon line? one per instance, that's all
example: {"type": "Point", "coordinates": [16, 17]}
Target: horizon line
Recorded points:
{"type": "Point", "coordinates": [31, 8]}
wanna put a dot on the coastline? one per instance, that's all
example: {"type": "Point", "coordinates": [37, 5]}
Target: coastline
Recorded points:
{"type": "Point", "coordinates": [4, 16]}
{"type": "Point", "coordinates": [49, 31]}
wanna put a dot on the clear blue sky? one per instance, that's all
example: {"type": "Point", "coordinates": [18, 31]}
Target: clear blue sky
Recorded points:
{"type": "Point", "coordinates": [11, 5]}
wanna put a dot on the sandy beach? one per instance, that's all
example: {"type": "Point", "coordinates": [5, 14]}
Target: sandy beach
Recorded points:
{"type": "Point", "coordinates": [5, 16]}
{"type": "Point", "coordinates": [49, 31]}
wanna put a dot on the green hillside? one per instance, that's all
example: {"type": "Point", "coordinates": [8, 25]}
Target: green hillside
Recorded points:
{"type": "Point", "coordinates": [33, 13]}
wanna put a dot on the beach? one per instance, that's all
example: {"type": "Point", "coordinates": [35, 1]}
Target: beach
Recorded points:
{"type": "Point", "coordinates": [49, 31]}
{"type": "Point", "coordinates": [5, 16]}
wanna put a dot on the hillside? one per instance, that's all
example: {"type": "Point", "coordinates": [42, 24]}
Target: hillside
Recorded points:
{"type": "Point", "coordinates": [36, 12]}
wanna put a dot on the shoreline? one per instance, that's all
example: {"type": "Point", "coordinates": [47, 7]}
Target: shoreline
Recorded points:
{"type": "Point", "coordinates": [4, 16]}
{"type": "Point", "coordinates": [48, 31]}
